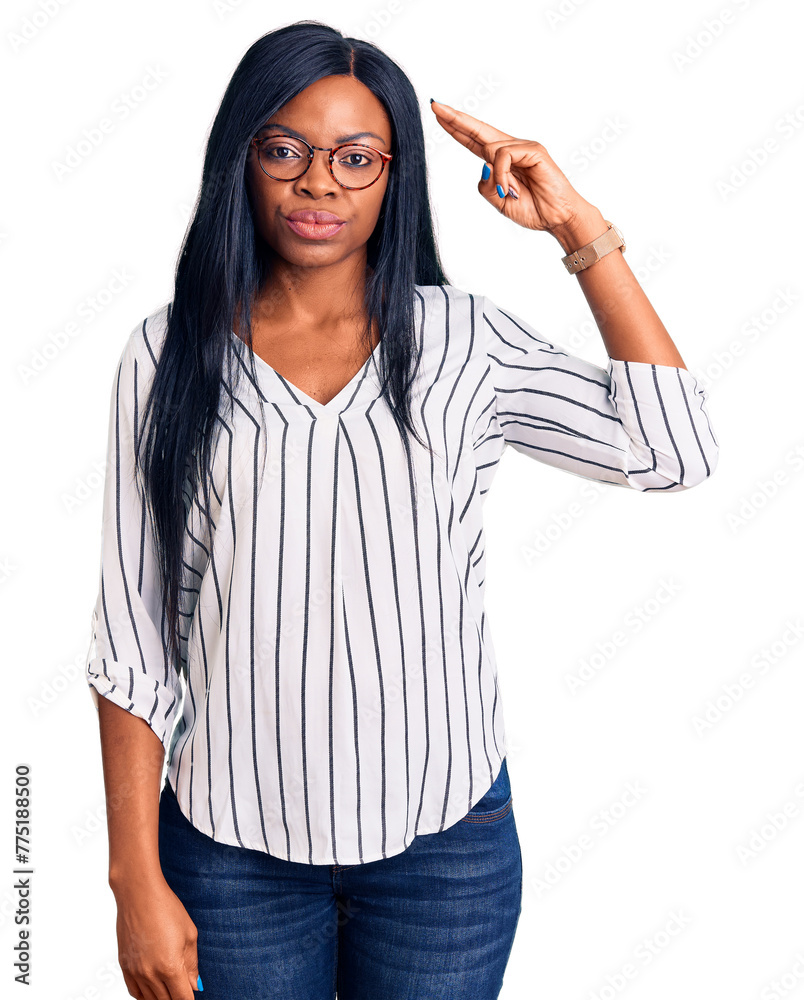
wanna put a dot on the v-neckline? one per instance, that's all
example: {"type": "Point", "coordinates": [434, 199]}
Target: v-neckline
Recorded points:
{"type": "Point", "coordinates": [287, 388]}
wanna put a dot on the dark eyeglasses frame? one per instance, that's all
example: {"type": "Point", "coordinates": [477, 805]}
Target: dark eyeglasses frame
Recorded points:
{"type": "Point", "coordinates": [332, 150]}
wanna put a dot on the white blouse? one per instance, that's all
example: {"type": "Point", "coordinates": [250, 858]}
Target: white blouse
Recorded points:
{"type": "Point", "coordinates": [337, 692]}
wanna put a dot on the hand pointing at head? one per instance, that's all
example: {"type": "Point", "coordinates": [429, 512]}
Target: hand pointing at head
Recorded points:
{"type": "Point", "coordinates": [535, 192]}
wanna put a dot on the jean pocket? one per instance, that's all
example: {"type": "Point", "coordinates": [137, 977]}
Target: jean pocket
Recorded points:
{"type": "Point", "coordinates": [496, 803]}
{"type": "Point", "coordinates": [475, 816]}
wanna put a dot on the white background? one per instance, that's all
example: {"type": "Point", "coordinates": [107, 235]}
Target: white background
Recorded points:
{"type": "Point", "coordinates": [692, 885]}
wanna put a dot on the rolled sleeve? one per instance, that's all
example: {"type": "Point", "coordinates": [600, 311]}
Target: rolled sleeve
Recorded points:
{"type": "Point", "coordinates": [128, 662]}
{"type": "Point", "coordinates": [634, 424]}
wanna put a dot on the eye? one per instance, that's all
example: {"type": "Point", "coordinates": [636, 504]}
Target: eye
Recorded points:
{"type": "Point", "coordinates": [356, 157]}
{"type": "Point", "coordinates": [281, 149]}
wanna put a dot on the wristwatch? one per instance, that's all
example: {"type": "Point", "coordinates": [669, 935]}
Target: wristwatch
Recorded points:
{"type": "Point", "coordinates": [587, 255]}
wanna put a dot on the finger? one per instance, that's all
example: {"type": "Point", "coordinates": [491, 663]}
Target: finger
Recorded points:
{"type": "Point", "coordinates": [513, 160]}
{"type": "Point", "coordinates": [131, 985]}
{"type": "Point", "coordinates": [501, 173]}
{"type": "Point", "coordinates": [191, 963]}
{"type": "Point", "coordinates": [179, 986]}
{"type": "Point", "coordinates": [146, 992]}
{"type": "Point", "coordinates": [488, 186]}
{"type": "Point", "coordinates": [478, 136]}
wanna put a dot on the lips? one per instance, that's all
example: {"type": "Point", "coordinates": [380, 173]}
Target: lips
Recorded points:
{"type": "Point", "coordinates": [316, 218]}
{"type": "Point", "coordinates": [315, 229]}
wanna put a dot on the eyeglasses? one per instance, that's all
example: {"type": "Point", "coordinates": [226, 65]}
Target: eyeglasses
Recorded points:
{"type": "Point", "coordinates": [353, 165]}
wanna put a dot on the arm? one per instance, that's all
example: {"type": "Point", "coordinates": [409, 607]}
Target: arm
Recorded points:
{"type": "Point", "coordinates": [137, 698]}
{"type": "Point", "coordinates": [634, 424]}
{"type": "Point", "coordinates": [130, 664]}
{"type": "Point", "coordinates": [627, 321]}
{"type": "Point", "coordinates": [132, 772]}
{"type": "Point", "coordinates": [641, 423]}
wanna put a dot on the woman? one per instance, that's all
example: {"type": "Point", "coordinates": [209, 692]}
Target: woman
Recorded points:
{"type": "Point", "coordinates": [290, 612]}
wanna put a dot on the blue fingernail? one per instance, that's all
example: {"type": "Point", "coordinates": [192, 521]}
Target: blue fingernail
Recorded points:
{"type": "Point", "coordinates": [200, 985]}
{"type": "Point", "coordinates": [500, 191]}
{"type": "Point", "coordinates": [486, 172]}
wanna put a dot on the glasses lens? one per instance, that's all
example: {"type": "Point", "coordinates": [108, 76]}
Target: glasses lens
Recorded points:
{"type": "Point", "coordinates": [286, 158]}
{"type": "Point", "coordinates": [356, 166]}
{"type": "Point", "coordinates": [283, 158]}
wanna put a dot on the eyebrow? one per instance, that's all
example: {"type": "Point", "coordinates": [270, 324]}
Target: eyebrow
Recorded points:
{"type": "Point", "coordinates": [342, 138]}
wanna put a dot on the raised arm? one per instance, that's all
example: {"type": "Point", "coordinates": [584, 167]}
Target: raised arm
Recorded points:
{"type": "Point", "coordinates": [640, 423]}
{"type": "Point", "coordinates": [633, 424]}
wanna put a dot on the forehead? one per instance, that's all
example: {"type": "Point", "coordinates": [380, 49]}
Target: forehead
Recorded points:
{"type": "Point", "coordinates": [333, 109]}
{"type": "Point", "coordinates": [362, 136]}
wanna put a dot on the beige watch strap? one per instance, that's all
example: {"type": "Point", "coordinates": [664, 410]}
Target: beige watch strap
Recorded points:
{"type": "Point", "coordinates": [587, 255]}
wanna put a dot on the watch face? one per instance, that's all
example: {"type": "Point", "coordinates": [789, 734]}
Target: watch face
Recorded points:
{"type": "Point", "coordinates": [617, 231]}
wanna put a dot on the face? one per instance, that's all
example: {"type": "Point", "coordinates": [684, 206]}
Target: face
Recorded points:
{"type": "Point", "coordinates": [327, 113]}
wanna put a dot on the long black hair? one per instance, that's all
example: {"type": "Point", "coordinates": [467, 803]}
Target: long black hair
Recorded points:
{"type": "Point", "coordinates": [221, 266]}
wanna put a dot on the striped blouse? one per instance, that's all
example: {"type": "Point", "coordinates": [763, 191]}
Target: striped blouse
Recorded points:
{"type": "Point", "coordinates": [337, 688]}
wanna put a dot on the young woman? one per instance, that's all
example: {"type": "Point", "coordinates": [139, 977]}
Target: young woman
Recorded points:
{"type": "Point", "coordinates": [290, 613]}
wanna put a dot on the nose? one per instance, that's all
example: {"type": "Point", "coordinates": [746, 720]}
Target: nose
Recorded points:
{"type": "Point", "coordinates": [317, 179]}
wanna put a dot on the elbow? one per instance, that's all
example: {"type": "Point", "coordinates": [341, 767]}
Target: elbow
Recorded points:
{"type": "Point", "coordinates": [701, 467]}
{"type": "Point", "coordinates": [677, 475]}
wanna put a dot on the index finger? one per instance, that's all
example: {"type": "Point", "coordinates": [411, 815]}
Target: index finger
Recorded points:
{"type": "Point", "coordinates": [470, 132]}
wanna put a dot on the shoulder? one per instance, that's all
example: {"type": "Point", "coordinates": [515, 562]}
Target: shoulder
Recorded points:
{"type": "Point", "coordinates": [451, 292]}
{"type": "Point", "coordinates": [144, 343]}
{"type": "Point", "coordinates": [449, 301]}
{"type": "Point", "coordinates": [139, 356]}
{"type": "Point", "coordinates": [149, 334]}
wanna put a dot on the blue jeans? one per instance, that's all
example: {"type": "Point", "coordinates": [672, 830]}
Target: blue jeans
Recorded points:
{"type": "Point", "coordinates": [435, 922]}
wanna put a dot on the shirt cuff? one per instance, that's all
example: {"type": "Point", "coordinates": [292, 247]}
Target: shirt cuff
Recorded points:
{"type": "Point", "coordinates": [138, 693]}
{"type": "Point", "coordinates": [663, 410]}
